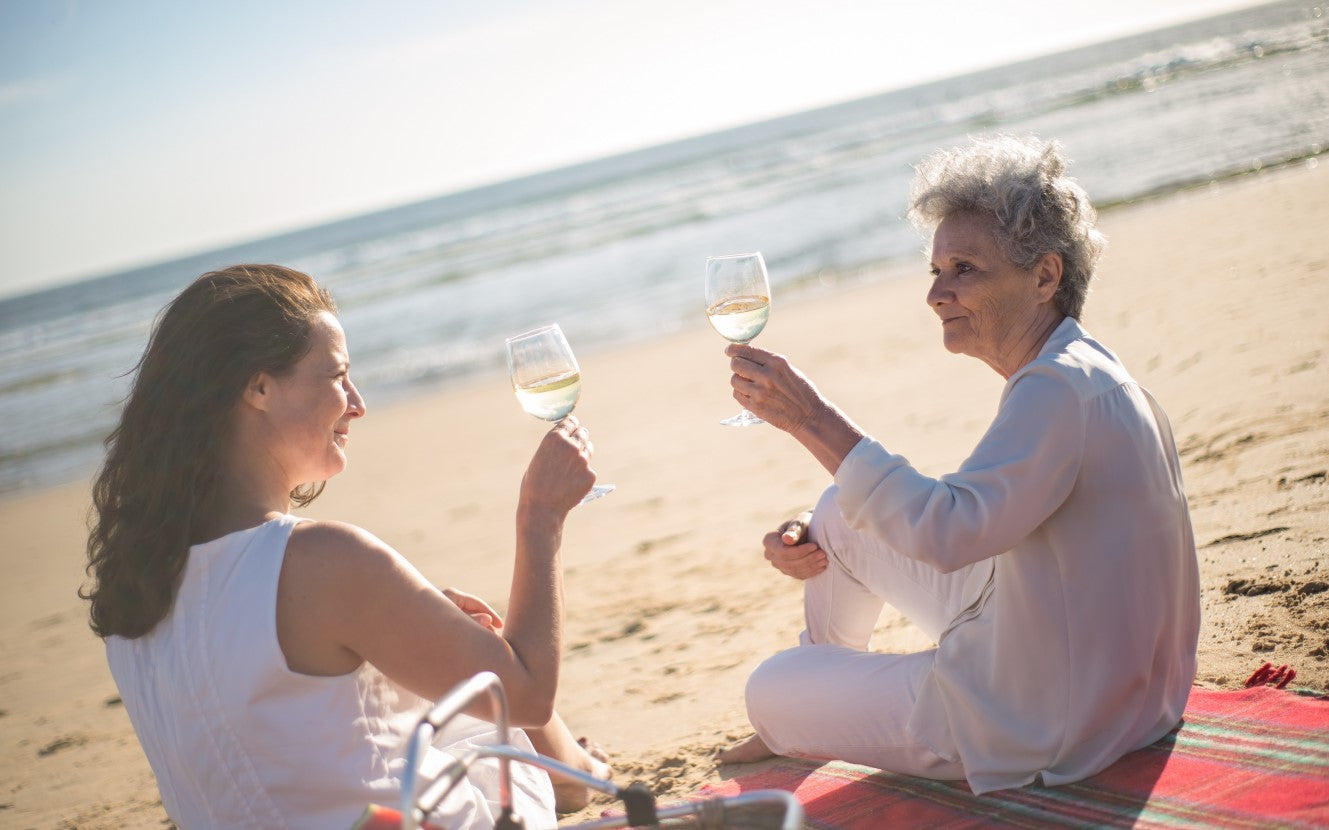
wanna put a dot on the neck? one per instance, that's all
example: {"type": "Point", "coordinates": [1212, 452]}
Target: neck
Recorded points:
{"type": "Point", "coordinates": [1028, 341]}
{"type": "Point", "coordinates": [250, 492]}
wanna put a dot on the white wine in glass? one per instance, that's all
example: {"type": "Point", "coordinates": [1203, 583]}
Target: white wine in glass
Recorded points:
{"type": "Point", "coordinates": [738, 303]}
{"type": "Point", "coordinates": [547, 379]}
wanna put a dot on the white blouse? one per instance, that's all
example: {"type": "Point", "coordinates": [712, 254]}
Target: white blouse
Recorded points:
{"type": "Point", "coordinates": [1070, 516]}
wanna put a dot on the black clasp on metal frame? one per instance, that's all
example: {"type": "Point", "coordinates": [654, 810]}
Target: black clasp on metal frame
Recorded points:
{"type": "Point", "coordinates": [640, 805]}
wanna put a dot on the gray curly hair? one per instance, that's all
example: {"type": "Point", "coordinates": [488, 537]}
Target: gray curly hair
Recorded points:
{"type": "Point", "coordinates": [1036, 208]}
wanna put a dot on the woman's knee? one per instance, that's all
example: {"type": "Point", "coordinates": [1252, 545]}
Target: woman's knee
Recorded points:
{"type": "Point", "coordinates": [825, 511]}
{"type": "Point", "coordinates": [771, 686]}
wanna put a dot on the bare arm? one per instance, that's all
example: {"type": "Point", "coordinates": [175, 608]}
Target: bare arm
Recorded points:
{"type": "Point", "coordinates": [345, 597]}
{"type": "Point", "coordinates": [772, 388]}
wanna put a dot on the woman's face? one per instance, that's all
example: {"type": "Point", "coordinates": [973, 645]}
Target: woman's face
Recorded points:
{"type": "Point", "coordinates": [988, 306]}
{"type": "Point", "coordinates": [310, 409]}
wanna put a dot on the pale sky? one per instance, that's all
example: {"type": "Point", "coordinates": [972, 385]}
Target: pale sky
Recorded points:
{"type": "Point", "coordinates": [133, 131]}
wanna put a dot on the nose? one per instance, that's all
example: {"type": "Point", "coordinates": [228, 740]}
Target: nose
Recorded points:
{"type": "Point", "coordinates": [938, 294]}
{"type": "Point", "coordinates": [355, 402]}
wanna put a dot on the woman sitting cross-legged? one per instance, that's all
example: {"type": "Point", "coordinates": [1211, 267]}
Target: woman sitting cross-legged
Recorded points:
{"type": "Point", "coordinates": [271, 665]}
{"type": "Point", "coordinates": [1055, 569]}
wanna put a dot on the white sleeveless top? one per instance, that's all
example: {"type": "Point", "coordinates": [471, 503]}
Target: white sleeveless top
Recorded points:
{"type": "Point", "coordinates": [237, 739]}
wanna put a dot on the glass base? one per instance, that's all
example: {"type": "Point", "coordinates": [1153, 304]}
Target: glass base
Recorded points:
{"type": "Point", "coordinates": [597, 491]}
{"type": "Point", "coordinates": [742, 419]}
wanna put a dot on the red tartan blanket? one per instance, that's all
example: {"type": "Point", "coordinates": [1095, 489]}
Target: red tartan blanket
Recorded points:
{"type": "Point", "coordinates": [1251, 758]}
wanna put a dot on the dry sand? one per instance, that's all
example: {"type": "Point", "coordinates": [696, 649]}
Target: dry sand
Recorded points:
{"type": "Point", "coordinates": [1214, 298]}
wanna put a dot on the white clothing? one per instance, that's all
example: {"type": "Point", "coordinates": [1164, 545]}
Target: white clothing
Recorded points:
{"type": "Point", "coordinates": [236, 739]}
{"type": "Point", "coordinates": [1056, 570]}
{"type": "Point", "coordinates": [863, 700]}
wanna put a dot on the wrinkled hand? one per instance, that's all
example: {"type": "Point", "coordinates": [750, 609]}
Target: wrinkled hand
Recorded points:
{"type": "Point", "coordinates": [767, 385]}
{"type": "Point", "coordinates": [478, 609]}
{"type": "Point", "coordinates": [560, 471]}
{"type": "Point", "coordinates": [789, 552]}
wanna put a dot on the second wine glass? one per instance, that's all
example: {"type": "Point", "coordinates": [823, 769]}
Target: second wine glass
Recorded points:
{"type": "Point", "coordinates": [547, 379]}
{"type": "Point", "coordinates": [738, 303]}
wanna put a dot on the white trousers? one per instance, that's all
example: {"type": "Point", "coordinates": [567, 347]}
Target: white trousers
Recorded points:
{"type": "Point", "coordinates": [830, 697]}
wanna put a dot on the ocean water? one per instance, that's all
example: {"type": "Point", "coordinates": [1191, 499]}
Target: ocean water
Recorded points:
{"type": "Point", "coordinates": [614, 250]}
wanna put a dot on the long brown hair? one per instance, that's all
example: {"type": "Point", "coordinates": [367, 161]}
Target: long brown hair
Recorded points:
{"type": "Point", "coordinates": [163, 460]}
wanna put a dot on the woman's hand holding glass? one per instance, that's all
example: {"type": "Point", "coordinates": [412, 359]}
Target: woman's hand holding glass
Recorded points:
{"type": "Point", "coordinates": [770, 386]}
{"type": "Point", "coordinates": [547, 380]}
{"type": "Point", "coordinates": [559, 476]}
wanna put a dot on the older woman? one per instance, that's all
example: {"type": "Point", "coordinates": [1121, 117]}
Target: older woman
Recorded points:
{"type": "Point", "coordinates": [1055, 569]}
{"type": "Point", "coordinates": [269, 663]}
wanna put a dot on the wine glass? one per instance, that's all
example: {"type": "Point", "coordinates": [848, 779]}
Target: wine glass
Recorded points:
{"type": "Point", "coordinates": [738, 303]}
{"type": "Point", "coordinates": [547, 379]}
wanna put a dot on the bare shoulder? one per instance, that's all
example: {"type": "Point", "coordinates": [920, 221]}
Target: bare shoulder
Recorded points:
{"type": "Point", "coordinates": [345, 596]}
{"type": "Point", "coordinates": [339, 550]}
{"type": "Point", "coordinates": [331, 534]}
{"type": "Point", "coordinates": [333, 578]}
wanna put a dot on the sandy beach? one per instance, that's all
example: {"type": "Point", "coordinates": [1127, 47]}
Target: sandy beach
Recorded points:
{"type": "Point", "coordinates": [1214, 297]}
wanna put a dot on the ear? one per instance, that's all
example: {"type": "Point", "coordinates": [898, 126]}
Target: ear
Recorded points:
{"type": "Point", "coordinates": [1048, 275]}
{"type": "Point", "coordinates": [257, 391]}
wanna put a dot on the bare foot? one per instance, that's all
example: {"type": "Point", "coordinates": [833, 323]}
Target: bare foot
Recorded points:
{"type": "Point", "coordinates": [599, 759]}
{"type": "Point", "coordinates": [571, 796]}
{"type": "Point", "coordinates": [749, 751]}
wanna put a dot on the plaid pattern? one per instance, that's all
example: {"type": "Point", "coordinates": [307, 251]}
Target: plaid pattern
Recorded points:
{"type": "Point", "coordinates": [1254, 758]}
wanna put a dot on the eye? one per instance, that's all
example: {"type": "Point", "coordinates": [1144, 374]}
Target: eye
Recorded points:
{"type": "Point", "coordinates": [935, 271]}
{"type": "Point", "coordinates": [963, 268]}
